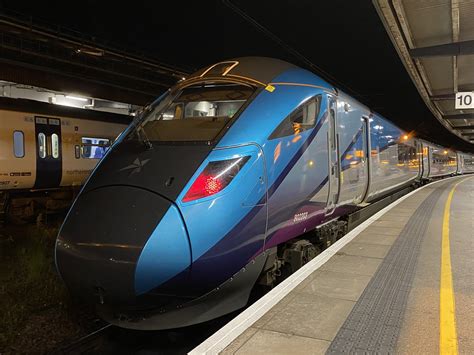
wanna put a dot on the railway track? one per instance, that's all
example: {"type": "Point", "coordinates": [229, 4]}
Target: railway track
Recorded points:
{"type": "Point", "coordinates": [90, 343]}
{"type": "Point", "coordinates": [114, 340]}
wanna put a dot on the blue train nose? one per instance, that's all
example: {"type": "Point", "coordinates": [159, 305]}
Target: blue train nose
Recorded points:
{"type": "Point", "coordinates": [119, 242]}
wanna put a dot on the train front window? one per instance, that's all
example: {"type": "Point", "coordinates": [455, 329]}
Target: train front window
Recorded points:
{"type": "Point", "coordinates": [197, 113]}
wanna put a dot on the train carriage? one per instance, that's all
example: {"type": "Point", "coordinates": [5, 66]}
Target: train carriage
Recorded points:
{"type": "Point", "coordinates": [45, 147]}
{"type": "Point", "coordinates": [236, 173]}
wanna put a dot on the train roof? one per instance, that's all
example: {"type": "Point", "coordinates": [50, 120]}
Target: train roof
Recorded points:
{"type": "Point", "coordinates": [260, 70]}
{"type": "Point", "coordinates": [42, 108]}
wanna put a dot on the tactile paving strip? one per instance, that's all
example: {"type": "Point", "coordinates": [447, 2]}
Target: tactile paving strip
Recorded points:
{"type": "Point", "coordinates": [375, 322]}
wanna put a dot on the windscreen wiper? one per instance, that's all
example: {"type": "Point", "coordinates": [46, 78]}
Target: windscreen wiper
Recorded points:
{"type": "Point", "coordinates": [143, 137]}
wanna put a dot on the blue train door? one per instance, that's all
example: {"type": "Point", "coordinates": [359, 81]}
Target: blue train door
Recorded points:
{"type": "Point", "coordinates": [334, 163]}
{"type": "Point", "coordinates": [48, 152]}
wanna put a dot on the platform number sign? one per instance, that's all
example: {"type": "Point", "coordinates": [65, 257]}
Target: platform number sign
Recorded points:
{"type": "Point", "coordinates": [464, 100]}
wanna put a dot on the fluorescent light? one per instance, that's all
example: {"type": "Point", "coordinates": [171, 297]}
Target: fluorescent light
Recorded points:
{"type": "Point", "coordinates": [77, 98]}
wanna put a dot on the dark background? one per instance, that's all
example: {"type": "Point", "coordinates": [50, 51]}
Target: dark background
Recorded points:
{"type": "Point", "coordinates": [345, 39]}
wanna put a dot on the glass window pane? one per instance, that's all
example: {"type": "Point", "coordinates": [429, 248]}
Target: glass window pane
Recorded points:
{"type": "Point", "coordinates": [55, 145]}
{"type": "Point", "coordinates": [41, 145]}
{"type": "Point", "coordinates": [301, 119]}
{"type": "Point", "coordinates": [196, 113]}
{"type": "Point", "coordinates": [94, 148]}
{"type": "Point", "coordinates": [18, 144]}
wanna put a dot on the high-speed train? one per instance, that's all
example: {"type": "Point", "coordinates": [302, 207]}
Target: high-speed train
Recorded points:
{"type": "Point", "coordinates": [223, 181]}
{"type": "Point", "coordinates": [47, 149]}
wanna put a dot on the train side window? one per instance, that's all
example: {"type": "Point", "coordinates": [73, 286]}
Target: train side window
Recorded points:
{"type": "Point", "coordinates": [405, 153]}
{"type": "Point", "coordinates": [77, 151]}
{"type": "Point", "coordinates": [55, 146]}
{"type": "Point", "coordinates": [94, 148]}
{"type": "Point", "coordinates": [301, 119]}
{"type": "Point", "coordinates": [18, 144]}
{"type": "Point", "coordinates": [42, 145]}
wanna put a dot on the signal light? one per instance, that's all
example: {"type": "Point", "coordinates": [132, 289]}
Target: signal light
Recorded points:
{"type": "Point", "coordinates": [214, 178]}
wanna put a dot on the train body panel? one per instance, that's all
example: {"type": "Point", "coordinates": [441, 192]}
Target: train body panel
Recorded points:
{"type": "Point", "coordinates": [41, 151]}
{"type": "Point", "coordinates": [352, 129]}
{"type": "Point", "coordinates": [425, 159]}
{"type": "Point", "coordinates": [17, 151]}
{"type": "Point", "coordinates": [442, 161]}
{"type": "Point", "coordinates": [394, 159]}
{"type": "Point", "coordinates": [243, 158]}
{"type": "Point", "coordinates": [465, 163]}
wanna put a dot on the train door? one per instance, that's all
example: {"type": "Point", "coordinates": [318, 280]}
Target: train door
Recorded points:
{"type": "Point", "coordinates": [334, 162]}
{"type": "Point", "coordinates": [48, 152]}
{"type": "Point", "coordinates": [460, 163]}
{"type": "Point", "coordinates": [419, 154]}
{"type": "Point", "coordinates": [365, 159]}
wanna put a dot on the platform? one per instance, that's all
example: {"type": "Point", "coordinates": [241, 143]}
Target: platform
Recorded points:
{"type": "Point", "coordinates": [383, 288]}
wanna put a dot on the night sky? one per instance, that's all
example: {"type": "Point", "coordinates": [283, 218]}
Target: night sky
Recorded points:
{"type": "Point", "coordinates": [343, 38]}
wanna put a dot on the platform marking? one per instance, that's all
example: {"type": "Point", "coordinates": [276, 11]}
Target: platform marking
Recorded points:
{"type": "Point", "coordinates": [448, 342]}
{"type": "Point", "coordinates": [227, 334]}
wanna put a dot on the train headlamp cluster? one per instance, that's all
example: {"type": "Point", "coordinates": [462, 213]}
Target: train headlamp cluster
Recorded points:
{"type": "Point", "coordinates": [214, 178]}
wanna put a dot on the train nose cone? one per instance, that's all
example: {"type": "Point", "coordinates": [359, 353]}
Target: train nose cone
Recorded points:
{"type": "Point", "coordinates": [119, 242]}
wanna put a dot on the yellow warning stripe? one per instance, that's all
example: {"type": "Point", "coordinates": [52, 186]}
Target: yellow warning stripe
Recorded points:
{"type": "Point", "coordinates": [448, 342]}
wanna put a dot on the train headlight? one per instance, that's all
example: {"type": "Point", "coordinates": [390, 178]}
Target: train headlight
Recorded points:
{"type": "Point", "coordinates": [214, 178]}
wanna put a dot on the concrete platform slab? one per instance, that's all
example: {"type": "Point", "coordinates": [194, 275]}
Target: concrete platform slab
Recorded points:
{"type": "Point", "coordinates": [366, 249]}
{"type": "Point", "coordinates": [268, 342]}
{"type": "Point", "coordinates": [374, 237]}
{"type": "Point", "coordinates": [338, 285]}
{"type": "Point", "coordinates": [311, 316]}
{"type": "Point", "coordinates": [352, 264]}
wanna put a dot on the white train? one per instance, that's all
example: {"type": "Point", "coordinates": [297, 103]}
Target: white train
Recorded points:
{"type": "Point", "coordinates": [48, 150]}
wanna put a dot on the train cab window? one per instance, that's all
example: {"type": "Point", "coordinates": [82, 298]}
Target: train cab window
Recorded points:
{"type": "Point", "coordinates": [94, 148]}
{"type": "Point", "coordinates": [55, 146]}
{"type": "Point", "coordinates": [42, 145]}
{"type": "Point", "coordinates": [301, 119]}
{"type": "Point", "coordinates": [18, 144]}
{"type": "Point", "coordinates": [197, 113]}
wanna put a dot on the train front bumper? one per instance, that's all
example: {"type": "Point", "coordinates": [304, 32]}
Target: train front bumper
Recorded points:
{"type": "Point", "coordinates": [120, 244]}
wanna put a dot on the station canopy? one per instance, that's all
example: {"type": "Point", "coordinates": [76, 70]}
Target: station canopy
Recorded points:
{"type": "Point", "coordinates": [435, 40]}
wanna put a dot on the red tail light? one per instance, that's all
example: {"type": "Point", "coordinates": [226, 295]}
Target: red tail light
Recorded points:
{"type": "Point", "coordinates": [214, 178]}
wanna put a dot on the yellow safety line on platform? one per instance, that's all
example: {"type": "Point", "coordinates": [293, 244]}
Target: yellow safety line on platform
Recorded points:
{"type": "Point", "coordinates": [448, 342]}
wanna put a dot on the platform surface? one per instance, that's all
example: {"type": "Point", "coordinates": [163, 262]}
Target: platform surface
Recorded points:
{"type": "Point", "coordinates": [380, 293]}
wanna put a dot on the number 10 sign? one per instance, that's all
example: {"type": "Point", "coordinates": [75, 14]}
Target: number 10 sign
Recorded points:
{"type": "Point", "coordinates": [464, 100]}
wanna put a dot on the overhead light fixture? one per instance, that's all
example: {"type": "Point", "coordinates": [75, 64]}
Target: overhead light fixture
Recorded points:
{"type": "Point", "coordinates": [83, 99]}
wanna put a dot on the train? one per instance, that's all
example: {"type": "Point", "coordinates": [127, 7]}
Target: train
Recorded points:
{"type": "Point", "coordinates": [226, 181]}
{"type": "Point", "coordinates": [47, 151]}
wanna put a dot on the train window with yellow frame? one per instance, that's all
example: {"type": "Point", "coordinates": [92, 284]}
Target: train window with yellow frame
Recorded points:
{"type": "Point", "coordinates": [18, 144]}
